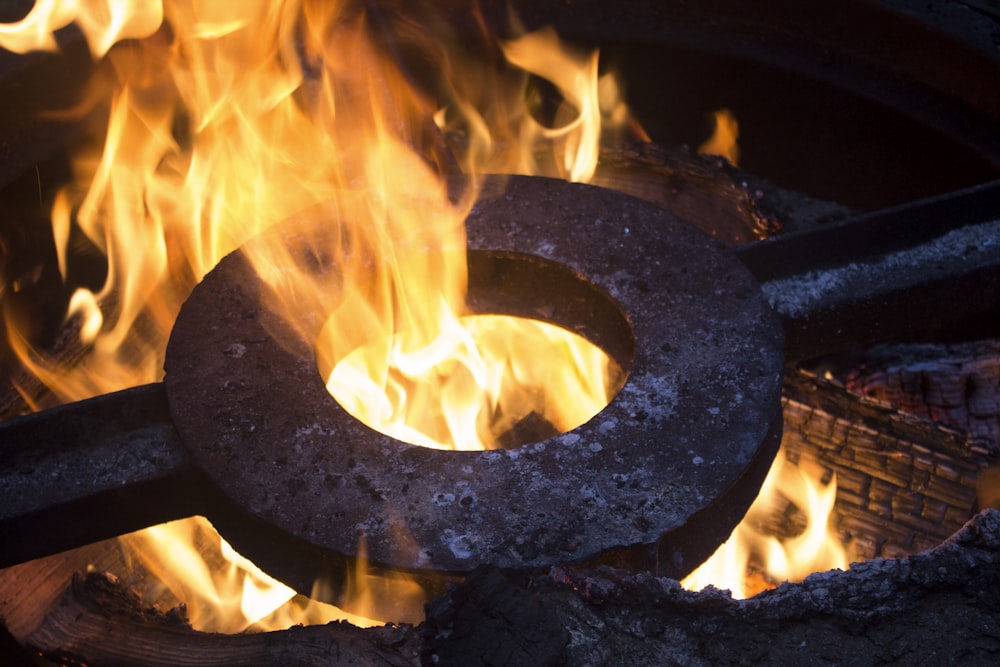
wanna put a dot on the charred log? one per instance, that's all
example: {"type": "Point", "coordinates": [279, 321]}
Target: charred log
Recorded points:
{"type": "Point", "coordinates": [98, 621]}
{"type": "Point", "coordinates": [904, 484]}
{"type": "Point", "coordinates": [957, 385]}
{"type": "Point", "coordinates": [933, 608]}
{"type": "Point", "coordinates": [937, 607]}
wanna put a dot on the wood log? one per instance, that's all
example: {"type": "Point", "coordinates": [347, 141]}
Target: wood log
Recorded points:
{"type": "Point", "coordinates": [939, 607]}
{"type": "Point", "coordinates": [952, 384]}
{"type": "Point", "coordinates": [904, 483]}
{"type": "Point", "coordinates": [724, 201]}
{"type": "Point", "coordinates": [101, 620]}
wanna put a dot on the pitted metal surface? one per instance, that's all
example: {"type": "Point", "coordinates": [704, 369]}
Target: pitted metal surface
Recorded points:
{"type": "Point", "coordinates": [669, 455]}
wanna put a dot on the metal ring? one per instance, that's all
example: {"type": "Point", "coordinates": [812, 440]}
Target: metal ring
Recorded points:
{"type": "Point", "coordinates": [661, 474]}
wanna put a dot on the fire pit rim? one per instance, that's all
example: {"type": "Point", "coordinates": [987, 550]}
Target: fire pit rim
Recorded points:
{"type": "Point", "coordinates": [615, 482]}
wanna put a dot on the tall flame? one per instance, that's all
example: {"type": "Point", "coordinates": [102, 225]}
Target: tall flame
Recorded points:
{"type": "Point", "coordinates": [243, 114]}
{"type": "Point", "coordinates": [224, 118]}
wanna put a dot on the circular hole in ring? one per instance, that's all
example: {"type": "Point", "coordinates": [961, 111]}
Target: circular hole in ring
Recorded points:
{"type": "Point", "coordinates": [546, 309]}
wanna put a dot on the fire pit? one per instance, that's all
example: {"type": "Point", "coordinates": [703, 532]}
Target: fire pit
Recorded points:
{"type": "Point", "coordinates": [659, 476]}
{"type": "Point", "coordinates": [655, 481]}
{"type": "Point", "coordinates": [259, 427]}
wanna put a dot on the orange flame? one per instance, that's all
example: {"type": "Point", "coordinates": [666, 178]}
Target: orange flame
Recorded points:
{"type": "Point", "coordinates": [725, 134]}
{"type": "Point", "coordinates": [468, 387]}
{"type": "Point", "coordinates": [102, 23]}
{"type": "Point", "coordinates": [238, 115]}
{"type": "Point", "coordinates": [815, 549]}
{"type": "Point", "coordinates": [224, 592]}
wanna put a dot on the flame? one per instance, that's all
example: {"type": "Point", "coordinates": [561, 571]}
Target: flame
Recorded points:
{"type": "Point", "coordinates": [102, 23]}
{"type": "Point", "coordinates": [225, 118]}
{"type": "Point", "coordinates": [815, 549]}
{"type": "Point", "coordinates": [573, 73]}
{"type": "Point", "coordinates": [724, 136]}
{"type": "Point", "coordinates": [224, 592]}
{"type": "Point", "coordinates": [509, 126]}
{"type": "Point", "coordinates": [243, 114]}
{"type": "Point", "coordinates": [467, 389]}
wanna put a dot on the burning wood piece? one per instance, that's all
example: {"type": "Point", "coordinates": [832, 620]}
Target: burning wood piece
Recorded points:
{"type": "Point", "coordinates": [731, 205]}
{"type": "Point", "coordinates": [937, 606]}
{"type": "Point", "coordinates": [956, 385]}
{"type": "Point", "coordinates": [904, 484]}
{"type": "Point", "coordinates": [99, 621]}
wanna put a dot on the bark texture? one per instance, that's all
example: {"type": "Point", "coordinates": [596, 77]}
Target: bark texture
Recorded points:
{"type": "Point", "coordinates": [938, 607]}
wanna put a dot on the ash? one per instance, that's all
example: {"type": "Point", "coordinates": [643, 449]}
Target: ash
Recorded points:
{"type": "Point", "coordinates": [936, 608]}
{"type": "Point", "coordinates": [801, 295]}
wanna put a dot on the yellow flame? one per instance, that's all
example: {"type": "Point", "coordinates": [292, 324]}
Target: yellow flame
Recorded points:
{"type": "Point", "coordinates": [507, 130]}
{"type": "Point", "coordinates": [725, 134]}
{"type": "Point", "coordinates": [816, 549]}
{"type": "Point", "coordinates": [575, 75]}
{"type": "Point", "coordinates": [102, 22]}
{"type": "Point", "coordinates": [475, 382]}
{"type": "Point", "coordinates": [222, 590]}
{"type": "Point", "coordinates": [239, 115]}
{"type": "Point", "coordinates": [256, 110]}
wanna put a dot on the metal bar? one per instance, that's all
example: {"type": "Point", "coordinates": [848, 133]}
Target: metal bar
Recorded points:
{"type": "Point", "coordinates": [118, 457]}
{"type": "Point", "coordinates": [893, 274]}
{"type": "Point", "coordinates": [90, 470]}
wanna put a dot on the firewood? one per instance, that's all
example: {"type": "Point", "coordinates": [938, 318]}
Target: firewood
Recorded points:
{"type": "Point", "coordinates": [904, 483]}
{"type": "Point", "coordinates": [957, 384]}
{"type": "Point", "coordinates": [937, 607]}
{"type": "Point", "coordinates": [101, 620]}
{"type": "Point", "coordinates": [731, 205]}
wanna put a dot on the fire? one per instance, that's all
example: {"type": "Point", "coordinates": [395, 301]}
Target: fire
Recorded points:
{"type": "Point", "coordinates": [102, 23]}
{"type": "Point", "coordinates": [723, 141]}
{"type": "Point", "coordinates": [224, 592]}
{"type": "Point", "coordinates": [508, 126]}
{"type": "Point", "coordinates": [431, 399]}
{"type": "Point", "coordinates": [224, 118]}
{"type": "Point", "coordinates": [815, 549]}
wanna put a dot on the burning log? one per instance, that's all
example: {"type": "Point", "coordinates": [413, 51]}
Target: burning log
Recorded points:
{"type": "Point", "coordinates": [731, 205]}
{"type": "Point", "coordinates": [103, 621]}
{"type": "Point", "coordinates": [957, 385]}
{"type": "Point", "coordinates": [904, 484]}
{"type": "Point", "coordinates": [936, 607]}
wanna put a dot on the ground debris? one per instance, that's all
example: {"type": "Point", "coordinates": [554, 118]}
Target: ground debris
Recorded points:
{"type": "Point", "coordinates": [939, 607]}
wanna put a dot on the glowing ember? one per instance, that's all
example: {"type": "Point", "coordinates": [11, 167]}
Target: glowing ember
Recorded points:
{"type": "Point", "coordinates": [752, 559]}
